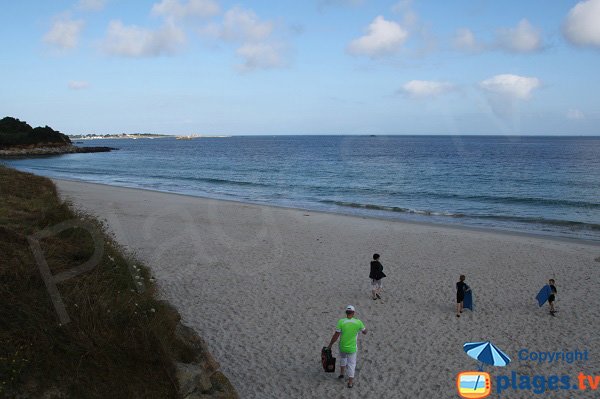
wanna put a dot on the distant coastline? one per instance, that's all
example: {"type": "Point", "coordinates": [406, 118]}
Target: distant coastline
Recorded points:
{"type": "Point", "coordinates": [136, 136]}
{"type": "Point", "coordinates": [118, 136]}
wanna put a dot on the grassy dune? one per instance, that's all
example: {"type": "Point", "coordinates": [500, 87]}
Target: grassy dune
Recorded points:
{"type": "Point", "coordinates": [120, 340]}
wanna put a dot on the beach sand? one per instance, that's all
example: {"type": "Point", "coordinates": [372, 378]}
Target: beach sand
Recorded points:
{"type": "Point", "coordinates": [265, 286]}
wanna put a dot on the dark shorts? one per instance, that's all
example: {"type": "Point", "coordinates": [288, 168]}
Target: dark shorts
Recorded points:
{"type": "Point", "coordinates": [460, 296]}
{"type": "Point", "coordinates": [551, 298]}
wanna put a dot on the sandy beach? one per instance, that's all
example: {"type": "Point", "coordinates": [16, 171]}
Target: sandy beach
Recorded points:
{"type": "Point", "coordinates": [265, 286]}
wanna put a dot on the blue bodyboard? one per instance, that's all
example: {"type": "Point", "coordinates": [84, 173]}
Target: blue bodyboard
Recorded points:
{"type": "Point", "coordinates": [543, 295]}
{"type": "Point", "coordinates": [468, 301]}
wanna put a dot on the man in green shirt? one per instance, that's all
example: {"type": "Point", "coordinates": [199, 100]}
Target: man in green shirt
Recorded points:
{"type": "Point", "coordinates": [348, 329]}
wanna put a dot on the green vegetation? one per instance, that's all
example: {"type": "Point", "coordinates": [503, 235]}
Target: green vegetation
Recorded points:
{"type": "Point", "coordinates": [14, 132]}
{"type": "Point", "coordinates": [119, 343]}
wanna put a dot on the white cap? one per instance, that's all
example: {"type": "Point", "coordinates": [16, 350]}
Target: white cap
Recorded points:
{"type": "Point", "coordinates": [350, 308]}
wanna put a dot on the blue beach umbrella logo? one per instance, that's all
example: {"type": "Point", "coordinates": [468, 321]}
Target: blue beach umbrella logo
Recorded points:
{"type": "Point", "coordinates": [486, 352]}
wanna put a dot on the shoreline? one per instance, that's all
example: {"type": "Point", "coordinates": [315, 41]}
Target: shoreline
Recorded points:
{"type": "Point", "coordinates": [459, 227]}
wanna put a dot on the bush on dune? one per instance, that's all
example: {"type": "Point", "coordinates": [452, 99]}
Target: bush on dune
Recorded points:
{"type": "Point", "coordinates": [120, 340]}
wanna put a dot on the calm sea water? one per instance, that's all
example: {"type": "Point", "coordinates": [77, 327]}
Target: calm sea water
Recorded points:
{"type": "Point", "coordinates": [545, 185]}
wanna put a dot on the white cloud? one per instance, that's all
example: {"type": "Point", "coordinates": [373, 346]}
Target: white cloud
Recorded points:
{"type": "Point", "coordinates": [78, 85]}
{"type": "Point", "coordinates": [244, 25]}
{"type": "Point", "coordinates": [575, 114]}
{"type": "Point", "coordinates": [191, 8]}
{"type": "Point", "coordinates": [134, 41]}
{"type": "Point", "coordinates": [511, 86]}
{"type": "Point", "coordinates": [524, 38]}
{"type": "Point", "coordinates": [582, 25]}
{"type": "Point", "coordinates": [260, 55]}
{"type": "Point", "coordinates": [257, 46]}
{"type": "Point", "coordinates": [465, 40]}
{"type": "Point", "coordinates": [91, 5]}
{"type": "Point", "coordinates": [64, 33]}
{"type": "Point", "coordinates": [425, 88]}
{"type": "Point", "coordinates": [382, 38]}
{"type": "Point", "coordinates": [503, 92]}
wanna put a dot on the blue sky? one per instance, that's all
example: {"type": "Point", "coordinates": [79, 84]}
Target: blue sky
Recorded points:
{"type": "Point", "coordinates": [303, 67]}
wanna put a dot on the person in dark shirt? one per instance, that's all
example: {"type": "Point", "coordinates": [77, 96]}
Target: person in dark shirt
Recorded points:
{"type": "Point", "coordinates": [552, 296]}
{"type": "Point", "coordinates": [461, 288]}
{"type": "Point", "coordinates": [376, 275]}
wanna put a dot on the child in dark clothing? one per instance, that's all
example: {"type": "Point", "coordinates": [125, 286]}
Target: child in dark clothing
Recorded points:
{"type": "Point", "coordinates": [461, 288]}
{"type": "Point", "coordinates": [552, 297]}
{"type": "Point", "coordinates": [376, 275]}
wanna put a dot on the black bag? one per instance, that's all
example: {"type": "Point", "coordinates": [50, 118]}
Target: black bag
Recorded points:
{"type": "Point", "coordinates": [328, 360]}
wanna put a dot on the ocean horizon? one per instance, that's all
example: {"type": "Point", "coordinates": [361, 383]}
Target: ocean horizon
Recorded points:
{"type": "Point", "coordinates": [548, 185]}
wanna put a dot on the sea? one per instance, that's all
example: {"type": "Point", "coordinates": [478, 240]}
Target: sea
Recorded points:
{"type": "Point", "coordinates": [541, 185]}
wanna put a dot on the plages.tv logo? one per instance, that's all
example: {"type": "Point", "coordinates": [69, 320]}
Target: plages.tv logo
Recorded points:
{"type": "Point", "coordinates": [478, 384]}
{"type": "Point", "coordinates": [473, 384]}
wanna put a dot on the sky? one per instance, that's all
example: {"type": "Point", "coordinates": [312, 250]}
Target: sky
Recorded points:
{"type": "Point", "coordinates": [302, 67]}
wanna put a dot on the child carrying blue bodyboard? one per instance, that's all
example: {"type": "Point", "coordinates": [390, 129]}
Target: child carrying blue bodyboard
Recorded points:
{"type": "Point", "coordinates": [547, 293]}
